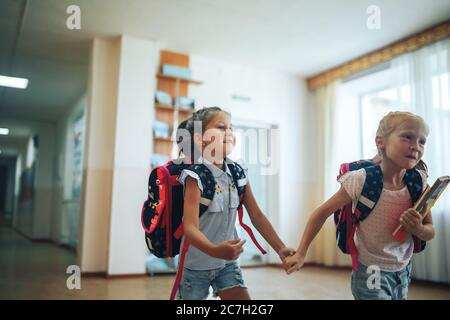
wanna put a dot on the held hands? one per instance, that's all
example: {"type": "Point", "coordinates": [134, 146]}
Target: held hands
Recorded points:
{"type": "Point", "coordinates": [293, 263]}
{"type": "Point", "coordinates": [285, 252]}
{"type": "Point", "coordinates": [228, 250]}
{"type": "Point", "coordinates": [411, 220]}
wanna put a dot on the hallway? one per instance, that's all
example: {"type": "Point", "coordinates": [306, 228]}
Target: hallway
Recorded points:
{"type": "Point", "coordinates": [37, 271]}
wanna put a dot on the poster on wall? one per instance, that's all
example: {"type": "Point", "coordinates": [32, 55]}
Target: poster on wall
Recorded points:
{"type": "Point", "coordinates": [78, 128]}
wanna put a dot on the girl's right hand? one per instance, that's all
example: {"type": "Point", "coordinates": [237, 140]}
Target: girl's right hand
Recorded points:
{"type": "Point", "coordinates": [293, 263]}
{"type": "Point", "coordinates": [228, 250]}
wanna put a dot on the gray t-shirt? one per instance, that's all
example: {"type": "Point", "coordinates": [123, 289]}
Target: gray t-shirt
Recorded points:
{"type": "Point", "coordinates": [218, 223]}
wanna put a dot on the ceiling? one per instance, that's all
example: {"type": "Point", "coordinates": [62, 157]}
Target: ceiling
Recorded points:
{"type": "Point", "coordinates": [294, 36]}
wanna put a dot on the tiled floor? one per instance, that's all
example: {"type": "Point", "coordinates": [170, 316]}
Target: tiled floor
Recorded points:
{"type": "Point", "coordinates": [38, 271]}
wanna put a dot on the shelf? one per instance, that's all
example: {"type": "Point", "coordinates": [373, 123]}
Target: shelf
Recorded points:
{"type": "Point", "coordinates": [163, 139]}
{"type": "Point", "coordinates": [185, 110]}
{"type": "Point", "coordinates": [163, 76]}
{"type": "Point", "coordinates": [172, 108]}
{"type": "Point", "coordinates": [172, 114]}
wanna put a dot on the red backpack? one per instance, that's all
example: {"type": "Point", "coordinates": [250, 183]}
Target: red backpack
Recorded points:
{"type": "Point", "coordinates": [162, 212]}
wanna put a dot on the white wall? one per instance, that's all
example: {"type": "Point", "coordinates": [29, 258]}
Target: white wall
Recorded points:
{"type": "Point", "coordinates": [118, 147]}
{"type": "Point", "coordinates": [118, 144]}
{"type": "Point", "coordinates": [98, 160]}
{"type": "Point", "coordinates": [133, 147]}
{"type": "Point", "coordinates": [275, 98]}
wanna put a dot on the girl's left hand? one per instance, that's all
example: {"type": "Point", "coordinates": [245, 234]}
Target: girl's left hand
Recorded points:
{"type": "Point", "coordinates": [293, 263]}
{"type": "Point", "coordinates": [285, 252]}
{"type": "Point", "coordinates": [411, 220]}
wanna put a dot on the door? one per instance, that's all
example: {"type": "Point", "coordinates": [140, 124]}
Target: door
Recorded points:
{"type": "Point", "coordinates": [253, 149]}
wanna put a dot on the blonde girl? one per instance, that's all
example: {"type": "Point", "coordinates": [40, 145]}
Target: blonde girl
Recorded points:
{"type": "Point", "coordinates": [400, 140]}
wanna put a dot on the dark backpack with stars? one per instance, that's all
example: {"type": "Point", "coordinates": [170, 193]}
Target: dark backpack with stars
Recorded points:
{"type": "Point", "coordinates": [162, 212]}
{"type": "Point", "coordinates": [346, 220]}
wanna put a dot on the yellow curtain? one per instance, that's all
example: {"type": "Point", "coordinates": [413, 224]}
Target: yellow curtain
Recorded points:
{"type": "Point", "coordinates": [324, 248]}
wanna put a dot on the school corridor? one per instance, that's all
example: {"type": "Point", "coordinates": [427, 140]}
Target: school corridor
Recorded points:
{"type": "Point", "coordinates": [91, 94]}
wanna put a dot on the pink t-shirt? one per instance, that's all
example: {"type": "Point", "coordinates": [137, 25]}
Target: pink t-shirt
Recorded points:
{"type": "Point", "coordinates": [374, 240]}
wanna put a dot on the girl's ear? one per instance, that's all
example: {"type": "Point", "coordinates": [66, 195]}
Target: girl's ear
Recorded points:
{"type": "Point", "coordinates": [379, 142]}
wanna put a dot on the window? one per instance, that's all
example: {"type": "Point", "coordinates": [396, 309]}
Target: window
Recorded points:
{"type": "Point", "coordinates": [376, 104]}
{"type": "Point", "coordinates": [440, 91]}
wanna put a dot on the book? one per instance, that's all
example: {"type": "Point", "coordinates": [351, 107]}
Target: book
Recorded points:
{"type": "Point", "coordinates": [427, 199]}
{"type": "Point", "coordinates": [163, 98]}
{"type": "Point", "coordinates": [176, 71]}
{"type": "Point", "coordinates": [161, 129]}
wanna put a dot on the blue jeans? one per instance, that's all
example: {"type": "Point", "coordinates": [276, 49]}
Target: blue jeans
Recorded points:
{"type": "Point", "coordinates": [374, 284]}
{"type": "Point", "coordinates": [194, 284]}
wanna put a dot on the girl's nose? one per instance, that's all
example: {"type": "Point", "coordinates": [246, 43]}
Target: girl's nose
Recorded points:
{"type": "Point", "coordinates": [415, 146]}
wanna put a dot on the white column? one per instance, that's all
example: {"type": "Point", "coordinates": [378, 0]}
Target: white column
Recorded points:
{"type": "Point", "coordinates": [99, 154]}
{"type": "Point", "coordinates": [117, 155]}
{"type": "Point", "coordinates": [133, 147]}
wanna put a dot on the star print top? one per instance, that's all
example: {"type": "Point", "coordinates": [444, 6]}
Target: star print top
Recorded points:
{"type": "Point", "coordinates": [218, 223]}
{"type": "Point", "coordinates": [374, 240]}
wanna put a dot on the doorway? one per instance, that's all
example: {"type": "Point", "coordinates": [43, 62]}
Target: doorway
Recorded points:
{"type": "Point", "coordinates": [7, 186]}
{"type": "Point", "coordinates": [255, 148]}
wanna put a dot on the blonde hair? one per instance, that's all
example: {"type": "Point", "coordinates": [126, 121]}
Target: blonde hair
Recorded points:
{"type": "Point", "coordinates": [393, 120]}
{"type": "Point", "coordinates": [390, 122]}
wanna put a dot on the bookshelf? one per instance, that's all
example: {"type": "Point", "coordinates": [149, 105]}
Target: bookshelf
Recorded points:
{"type": "Point", "coordinates": [164, 146]}
{"type": "Point", "coordinates": [171, 114]}
{"type": "Point", "coordinates": [183, 80]}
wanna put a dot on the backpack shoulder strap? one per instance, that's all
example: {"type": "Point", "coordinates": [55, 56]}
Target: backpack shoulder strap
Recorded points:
{"type": "Point", "coordinates": [352, 166]}
{"type": "Point", "coordinates": [239, 178]}
{"type": "Point", "coordinates": [414, 183]}
{"type": "Point", "coordinates": [371, 192]}
{"type": "Point", "coordinates": [208, 183]}
{"type": "Point", "coordinates": [373, 186]}
{"type": "Point", "coordinates": [345, 219]}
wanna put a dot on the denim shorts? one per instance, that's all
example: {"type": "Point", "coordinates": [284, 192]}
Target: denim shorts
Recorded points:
{"type": "Point", "coordinates": [374, 284]}
{"type": "Point", "coordinates": [194, 284]}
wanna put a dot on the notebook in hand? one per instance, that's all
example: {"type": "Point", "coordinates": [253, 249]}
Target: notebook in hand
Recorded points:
{"type": "Point", "coordinates": [428, 198]}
